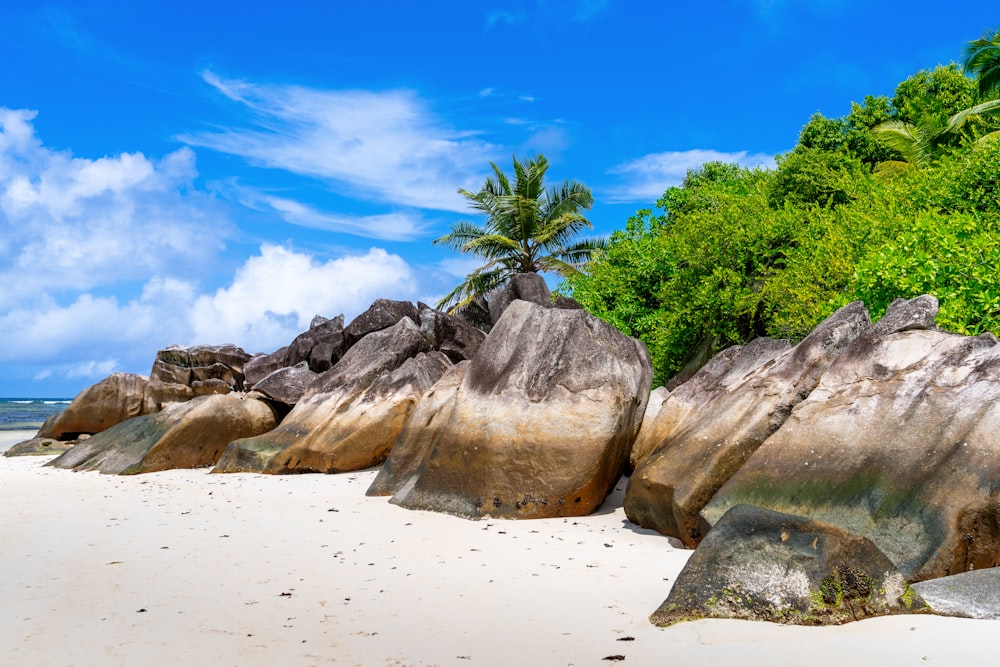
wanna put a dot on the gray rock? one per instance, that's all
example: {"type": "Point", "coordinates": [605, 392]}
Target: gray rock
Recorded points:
{"type": "Point", "coordinates": [260, 366]}
{"type": "Point", "coordinates": [524, 286]}
{"type": "Point", "coordinates": [192, 434]}
{"type": "Point", "coordinates": [382, 314]}
{"type": "Point", "coordinates": [671, 486]}
{"type": "Point", "coordinates": [286, 385]}
{"type": "Point", "coordinates": [766, 566]}
{"type": "Point", "coordinates": [899, 442]}
{"type": "Point", "coordinates": [39, 447]}
{"type": "Point", "coordinates": [974, 594]}
{"type": "Point", "coordinates": [316, 422]}
{"type": "Point", "coordinates": [454, 336]}
{"type": "Point", "coordinates": [541, 423]}
{"type": "Point", "coordinates": [329, 334]}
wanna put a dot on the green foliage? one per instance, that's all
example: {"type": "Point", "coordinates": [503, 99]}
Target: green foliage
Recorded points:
{"type": "Point", "coordinates": [733, 254]}
{"type": "Point", "coordinates": [528, 229]}
{"type": "Point", "coordinates": [982, 60]}
{"type": "Point", "coordinates": [942, 91]}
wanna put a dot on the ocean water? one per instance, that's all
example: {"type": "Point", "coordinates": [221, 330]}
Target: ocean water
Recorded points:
{"type": "Point", "coordinates": [28, 413]}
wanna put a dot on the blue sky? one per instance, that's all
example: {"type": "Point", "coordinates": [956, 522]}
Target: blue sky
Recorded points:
{"type": "Point", "coordinates": [219, 172]}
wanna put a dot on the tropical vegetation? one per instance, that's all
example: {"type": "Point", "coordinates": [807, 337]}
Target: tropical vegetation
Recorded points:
{"type": "Point", "coordinates": [897, 198]}
{"type": "Point", "coordinates": [528, 229]}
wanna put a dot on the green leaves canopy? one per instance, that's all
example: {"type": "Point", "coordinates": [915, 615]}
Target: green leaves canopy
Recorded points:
{"type": "Point", "coordinates": [528, 229]}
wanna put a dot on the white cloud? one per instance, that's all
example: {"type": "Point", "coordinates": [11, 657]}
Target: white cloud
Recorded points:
{"type": "Point", "coordinates": [275, 295]}
{"type": "Point", "coordinates": [384, 146]}
{"type": "Point", "coordinates": [397, 226]}
{"type": "Point", "coordinates": [72, 223]}
{"type": "Point", "coordinates": [102, 262]}
{"type": "Point", "coordinates": [648, 177]}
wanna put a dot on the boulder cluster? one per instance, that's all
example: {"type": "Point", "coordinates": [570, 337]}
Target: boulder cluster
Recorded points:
{"type": "Point", "coordinates": [816, 482]}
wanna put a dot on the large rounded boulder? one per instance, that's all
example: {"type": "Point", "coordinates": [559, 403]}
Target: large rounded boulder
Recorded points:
{"type": "Point", "coordinates": [899, 442]}
{"type": "Point", "coordinates": [111, 401]}
{"type": "Point", "coordinates": [540, 423]}
{"type": "Point", "coordinates": [349, 418]}
{"type": "Point", "coordinates": [192, 434]}
{"type": "Point", "coordinates": [709, 442]}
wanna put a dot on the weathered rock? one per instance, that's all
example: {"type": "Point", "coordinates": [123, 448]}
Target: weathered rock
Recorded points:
{"type": "Point", "coordinates": [455, 337]}
{"type": "Point", "coordinates": [39, 447]}
{"type": "Point", "coordinates": [524, 286]}
{"type": "Point", "coordinates": [170, 373]}
{"type": "Point", "coordinates": [420, 434]}
{"type": "Point", "coordinates": [286, 385]}
{"type": "Point", "coordinates": [670, 487]}
{"type": "Point", "coordinates": [477, 313]}
{"type": "Point", "coordinates": [712, 382]}
{"type": "Point", "coordinates": [111, 401]}
{"type": "Point", "coordinates": [160, 394]}
{"type": "Point", "coordinates": [260, 366]}
{"type": "Point", "coordinates": [314, 419]}
{"type": "Point", "coordinates": [766, 566]}
{"type": "Point", "coordinates": [210, 386]}
{"type": "Point", "coordinates": [382, 314]}
{"type": "Point", "coordinates": [216, 371]}
{"type": "Point", "coordinates": [354, 431]}
{"type": "Point", "coordinates": [899, 442]}
{"type": "Point", "coordinates": [329, 334]}
{"type": "Point", "coordinates": [184, 435]}
{"type": "Point", "coordinates": [649, 436]}
{"type": "Point", "coordinates": [973, 594]}
{"type": "Point", "coordinates": [541, 423]}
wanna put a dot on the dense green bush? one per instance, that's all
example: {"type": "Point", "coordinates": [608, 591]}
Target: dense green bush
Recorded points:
{"type": "Point", "coordinates": [733, 254]}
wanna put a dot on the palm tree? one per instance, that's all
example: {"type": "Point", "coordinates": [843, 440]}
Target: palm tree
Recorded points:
{"type": "Point", "coordinates": [923, 142]}
{"type": "Point", "coordinates": [528, 229]}
{"type": "Point", "coordinates": [982, 59]}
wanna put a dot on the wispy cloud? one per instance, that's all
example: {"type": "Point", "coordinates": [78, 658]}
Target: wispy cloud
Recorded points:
{"type": "Point", "coordinates": [103, 261]}
{"type": "Point", "coordinates": [383, 146]}
{"type": "Point", "coordinates": [647, 178]}
{"type": "Point", "coordinates": [396, 226]}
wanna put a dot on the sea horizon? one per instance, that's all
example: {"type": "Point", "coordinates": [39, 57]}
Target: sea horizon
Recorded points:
{"type": "Point", "coordinates": [28, 413]}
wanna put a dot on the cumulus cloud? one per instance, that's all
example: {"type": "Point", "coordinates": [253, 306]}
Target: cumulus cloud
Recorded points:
{"type": "Point", "coordinates": [275, 295]}
{"type": "Point", "coordinates": [71, 223]}
{"type": "Point", "coordinates": [384, 146]}
{"type": "Point", "coordinates": [103, 261]}
{"type": "Point", "coordinates": [648, 177]}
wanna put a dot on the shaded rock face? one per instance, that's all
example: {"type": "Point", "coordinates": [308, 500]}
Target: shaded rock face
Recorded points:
{"type": "Point", "coordinates": [286, 385]}
{"type": "Point", "coordinates": [350, 416]}
{"type": "Point", "coordinates": [524, 286]}
{"type": "Point", "coordinates": [111, 401]}
{"type": "Point", "coordinates": [455, 337]}
{"type": "Point", "coordinates": [712, 382]}
{"type": "Point", "coordinates": [183, 435]}
{"type": "Point", "coordinates": [711, 433]}
{"type": "Point", "coordinates": [763, 565]}
{"type": "Point", "coordinates": [420, 434]}
{"type": "Point", "coordinates": [382, 314]}
{"type": "Point", "coordinates": [477, 313]}
{"type": "Point", "coordinates": [260, 366]}
{"type": "Point", "coordinates": [899, 442]}
{"type": "Point", "coordinates": [972, 594]}
{"type": "Point", "coordinates": [320, 347]}
{"type": "Point", "coordinates": [181, 373]}
{"type": "Point", "coordinates": [539, 424]}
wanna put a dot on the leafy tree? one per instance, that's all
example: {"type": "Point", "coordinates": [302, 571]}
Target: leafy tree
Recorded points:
{"type": "Point", "coordinates": [924, 142]}
{"type": "Point", "coordinates": [942, 92]}
{"type": "Point", "coordinates": [982, 59]}
{"type": "Point", "coordinates": [528, 229]}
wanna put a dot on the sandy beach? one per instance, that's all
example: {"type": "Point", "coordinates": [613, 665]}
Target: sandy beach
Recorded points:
{"type": "Point", "coordinates": [188, 568]}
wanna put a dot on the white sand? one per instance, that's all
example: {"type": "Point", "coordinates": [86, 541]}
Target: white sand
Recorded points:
{"type": "Point", "coordinates": [187, 568]}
